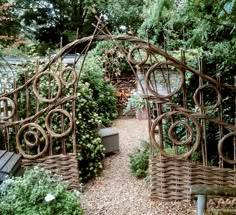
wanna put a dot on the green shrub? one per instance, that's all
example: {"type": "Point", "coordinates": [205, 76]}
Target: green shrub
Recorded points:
{"type": "Point", "coordinates": [37, 193]}
{"type": "Point", "coordinates": [139, 160]}
{"type": "Point", "coordinates": [135, 102]}
{"type": "Point", "coordinates": [91, 151]}
{"type": "Point", "coordinates": [103, 92]}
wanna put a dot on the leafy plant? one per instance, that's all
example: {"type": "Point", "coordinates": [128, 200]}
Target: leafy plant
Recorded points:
{"type": "Point", "coordinates": [91, 151]}
{"type": "Point", "coordinates": [10, 25]}
{"type": "Point", "coordinates": [135, 102]}
{"type": "Point", "coordinates": [38, 193]}
{"type": "Point", "coordinates": [139, 160]}
{"type": "Point", "coordinates": [103, 92]}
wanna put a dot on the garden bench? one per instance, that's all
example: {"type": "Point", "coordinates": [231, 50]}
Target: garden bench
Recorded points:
{"type": "Point", "coordinates": [10, 165]}
{"type": "Point", "coordinates": [202, 191]}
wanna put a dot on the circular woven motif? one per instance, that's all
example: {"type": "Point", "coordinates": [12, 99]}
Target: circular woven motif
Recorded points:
{"type": "Point", "coordinates": [157, 123]}
{"type": "Point", "coordinates": [48, 123]}
{"type": "Point", "coordinates": [35, 87]}
{"type": "Point", "coordinates": [12, 105]}
{"type": "Point", "coordinates": [30, 133]}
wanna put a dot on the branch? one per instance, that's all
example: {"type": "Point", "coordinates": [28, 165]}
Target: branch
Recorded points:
{"type": "Point", "coordinates": [218, 23]}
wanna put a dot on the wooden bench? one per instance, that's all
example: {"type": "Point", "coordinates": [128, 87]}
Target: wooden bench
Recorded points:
{"type": "Point", "coordinates": [10, 165]}
{"type": "Point", "coordinates": [202, 191]}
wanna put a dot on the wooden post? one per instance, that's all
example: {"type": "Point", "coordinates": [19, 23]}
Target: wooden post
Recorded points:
{"type": "Point", "coordinates": [203, 121]}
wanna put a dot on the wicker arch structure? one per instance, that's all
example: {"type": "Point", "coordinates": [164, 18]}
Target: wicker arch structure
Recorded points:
{"type": "Point", "coordinates": [172, 172]}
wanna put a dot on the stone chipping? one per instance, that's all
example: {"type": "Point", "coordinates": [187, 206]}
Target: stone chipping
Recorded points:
{"type": "Point", "coordinates": [116, 191]}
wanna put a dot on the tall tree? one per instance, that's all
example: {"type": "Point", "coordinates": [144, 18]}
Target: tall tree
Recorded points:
{"type": "Point", "coordinates": [190, 23]}
{"type": "Point", "coordinates": [9, 25]}
{"type": "Point", "coordinates": [123, 15]}
{"type": "Point", "coordinates": [49, 20]}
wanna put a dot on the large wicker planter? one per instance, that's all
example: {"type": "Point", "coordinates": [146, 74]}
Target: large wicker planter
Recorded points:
{"type": "Point", "coordinates": [172, 178]}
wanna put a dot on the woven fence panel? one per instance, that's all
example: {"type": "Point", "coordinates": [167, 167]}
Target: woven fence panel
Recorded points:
{"type": "Point", "coordinates": [63, 165]}
{"type": "Point", "coordinates": [172, 178]}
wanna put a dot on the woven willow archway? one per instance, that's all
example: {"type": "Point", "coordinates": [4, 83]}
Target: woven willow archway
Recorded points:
{"type": "Point", "coordinates": [164, 77]}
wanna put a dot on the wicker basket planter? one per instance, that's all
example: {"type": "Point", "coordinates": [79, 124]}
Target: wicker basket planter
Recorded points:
{"type": "Point", "coordinates": [172, 178]}
{"type": "Point", "coordinates": [64, 165]}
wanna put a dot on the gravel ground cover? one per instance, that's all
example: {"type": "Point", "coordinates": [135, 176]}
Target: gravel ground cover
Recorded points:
{"type": "Point", "coordinates": [116, 192]}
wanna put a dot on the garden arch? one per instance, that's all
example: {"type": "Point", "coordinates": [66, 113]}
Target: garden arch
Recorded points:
{"type": "Point", "coordinates": [172, 172]}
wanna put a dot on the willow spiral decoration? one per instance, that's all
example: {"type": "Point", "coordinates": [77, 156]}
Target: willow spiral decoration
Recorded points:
{"type": "Point", "coordinates": [25, 134]}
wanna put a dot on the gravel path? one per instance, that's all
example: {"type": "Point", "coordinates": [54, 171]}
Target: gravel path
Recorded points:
{"type": "Point", "coordinates": [116, 192]}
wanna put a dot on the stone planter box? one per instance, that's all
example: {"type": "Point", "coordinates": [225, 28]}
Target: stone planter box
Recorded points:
{"type": "Point", "coordinates": [110, 140]}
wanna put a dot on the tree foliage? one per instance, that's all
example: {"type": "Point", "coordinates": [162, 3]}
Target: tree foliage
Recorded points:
{"type": "Point", "coordinates": [123, 15]}
{"type": "Point", "coordinates": [9, 25]}
{"type": "Point", "coordinates": [208, 26]}
{"type": "Point", "coordinates": [47, 21]}
{"type": "Point", "coordinates": [50, 20]}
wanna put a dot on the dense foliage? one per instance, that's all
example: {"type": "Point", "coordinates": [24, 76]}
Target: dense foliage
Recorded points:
{"type": "Point", "coordinates": [9, 25]}
{"type": "Point", "coordinates": [124, 16]}
{"type": "Point", "coordinates": [37, 192]}
{"type": "Point", "coordinates": [91, 151]}
{"type": "Point", "coordinates": [202, 25]}
{"type": "Point", "coordinates": [139, 160]}
{"type": "Point", "coordinates": [103, 92]}
{"type": "Point", "coordinates": [49, 21]}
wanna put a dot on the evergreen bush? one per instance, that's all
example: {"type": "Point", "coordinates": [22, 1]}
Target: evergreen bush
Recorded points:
{"type": "Point", "coordinates": [103, 92]}
{"type": "Point", "coordinates": [91, 150]}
